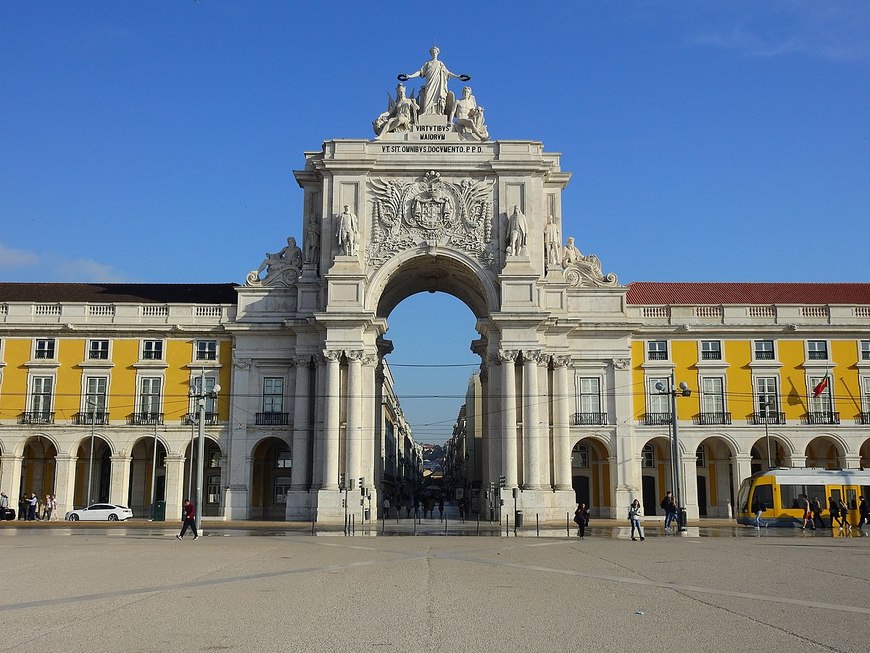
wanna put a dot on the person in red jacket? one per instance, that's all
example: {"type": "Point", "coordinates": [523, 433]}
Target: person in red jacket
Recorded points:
{"type": "Point", "coordinates": [189, 520]}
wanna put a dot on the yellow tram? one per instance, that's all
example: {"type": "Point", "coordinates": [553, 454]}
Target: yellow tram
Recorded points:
{"type": "Point", "coordinates": [779, 489]}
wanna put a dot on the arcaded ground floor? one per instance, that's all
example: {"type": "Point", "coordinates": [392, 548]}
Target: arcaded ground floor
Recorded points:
{"type": "Point", "coordinates": [141, 589]}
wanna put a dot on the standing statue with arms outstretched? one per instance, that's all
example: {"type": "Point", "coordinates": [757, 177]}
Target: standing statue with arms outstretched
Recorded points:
{"type": "Point", "coordinates": [433, 99]}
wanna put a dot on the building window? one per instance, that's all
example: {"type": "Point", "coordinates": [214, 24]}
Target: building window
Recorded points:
{"type": "Point", "coordinates": [282, 487]}
{"type": "Point", "coordinates": [149, 397]}
{"type": "Point", "coordinates": [206, 350]}
{"type": "Point", "coordinates": [40, 396]}
{"type": "Point", "coordinates": [711, 350]}
{"type": "Point", "coordinates": [44, 348]}
{"type": "Point", "coordinates": [817, 350]}
{"type": "Point", "coordinates": [764, 350]}
{"type": "Point", "coordinates": [766, 398]}
{"type": "Point", "coordinates": [590, 395]}
{"type": "Point", "coordinates": [152, 350]}
{"type": "Point", "coordinates": [98, 350]}
{"type": "Point", "coordinates": [657, 401]}
{"type": "Point", "coordinates": [701, 456]}
{"type": "Point", "coordinates": [865, 350]}
{"type": "Point", "coordinates": [213, 489]}
{"type": "Point", "coordinates": [580, 455]}
{"type": "Point", "coordinates": [823, 402]}
{"type": "Point", "coordinates": [712, 395]}
{"type": "Point", "coordinates": [657, 350]}
{"type": "Point", "coordinates": [210, 401]}
{"type": "Point", "coordinates": [273, 394]}
{"type": "Point", "coordinates": [95, 395]}
{"type": "Point", "coordinates": [283, 460]}
{"type": "Point", "coordinates": [865, 394]}
{"type": "Point", "coordinates": [648, 456]}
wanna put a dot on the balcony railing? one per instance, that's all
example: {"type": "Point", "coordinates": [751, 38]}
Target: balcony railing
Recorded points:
{"type": "Point", "coordinates": [190, 419]}
{"type": "Point", "coordinates": [658, 355]}
{"type": "Point", "coordinates": [39, 417]}
{"type": "Point", "coordinates": [656, 419]}
{"type": "Point", "coordinates": [145, 419]}
{"type": "Point", "coordinates": [822, 417]}
{"type": "Point", "coordinates": [99, 417]}
{"type": "Point", "coordinates": [865, 418]}
{"type": "Point", "coordinates": [589, 419]}
{"type": "Point", "coordinates": [272, 419]}
{"type": "Point", "coordinates": [712, 419]}
{"type": "Point", "coordinates": [711, 355]}
{"type": "Point", "coordinates": [768, 418]}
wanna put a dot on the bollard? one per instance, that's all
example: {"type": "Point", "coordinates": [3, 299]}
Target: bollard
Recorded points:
{"type": "Point", "coordinates": [353, 524]}
{"type": "Point", "coordinates": [415, 524]}
{"type": "Point", "coordinates": [478, 523]}
{"type": "Point", "coordinates": [445, 524]}
{"type": "Point", "coordinates": [313, 523]}
{"type": "Point", "coordinates": [383, 525]}
{"type": "Point", "coordinates": [568, 523]}
{"type": "Point", "coordinates": [537, 526]}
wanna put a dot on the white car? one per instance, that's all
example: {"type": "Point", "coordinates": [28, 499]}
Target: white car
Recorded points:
{"type": "Point", "coordinates": [100, 512]}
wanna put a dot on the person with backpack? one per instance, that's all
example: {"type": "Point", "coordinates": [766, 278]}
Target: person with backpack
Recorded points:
{"type": "Point", "coordinates": [864, 514]}
{"type": "Point", "coordinates": [581, 518]}
{"type": "Point", "coordinates": [634, 514]}
{"type": "Point", "coordinates": [758, 508]}
{"type": "Point", "coordinates": [669, 505]}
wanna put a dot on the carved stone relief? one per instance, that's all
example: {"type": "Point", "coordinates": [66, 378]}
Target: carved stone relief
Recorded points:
{"type": "Point", "coordinates": [281, 269]}
{"type": "Point", "coordinates": [583, 270]}
{"type": "Point", "coordinates": [407, 214]}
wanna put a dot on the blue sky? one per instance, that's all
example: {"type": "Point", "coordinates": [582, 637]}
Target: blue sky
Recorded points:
{"type": "Point", "coordinates": [709, 140]}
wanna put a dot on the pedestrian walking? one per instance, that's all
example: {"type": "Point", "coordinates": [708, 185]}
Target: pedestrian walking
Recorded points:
{"type": "Point", "coordinates": [669, 505]}
{"type": "Point", "coordinates": [581, 518]}
{"type": "Point", "coordinates": [441, 509]}
{"type": "Point", "coordinates": [31, 507]}
{"type": "Point", "coordinates": [46, 508]}
{"type": "Point", "coordinates": [634, 514]}
{"type": "Point", "coordinates": [863, 515]}
{"type": "Point", "coordinates": [23, 506]}
{"type": "Point", "coordinates": [189, 519]}
{"type": "Point", "coordinates": [844, 516]}
{"type": "Point", "coordinates": [804, 505]}
{"type": "Point", "coordinates": [758, 507]}
{"type": "Point", "coordinates": [834, 509]}
{"type": "Point", "coordinates": [386, 507]}
{"type": "Point", "coordinates": [54, 516]}
{"type": "Point", "coordinates": [816, 508]}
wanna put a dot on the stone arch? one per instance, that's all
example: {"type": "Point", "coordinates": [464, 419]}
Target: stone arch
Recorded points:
{"type": "Point", "coordinates": [656, 472]}
{"type": "Point", "coordinates": [826, 450]}
{"type": "Point", "coordinates": [270, 477]}
{"type": "Point", "coordinates": [591, 473]}
{"type": "Point", "coordinates": [142, 471]}
{"type": "Point", "coordinates": [714, 478]}
{"type": "Point", "coordinates": [213, 474]}
{"type": "Point", "coordinates": [99, 474]}
{"type": "Point", "coordinates": [782, 451]}
{"type": "Point", "coordinates": [432, 270]}
{"type": "Point", "coordinates": [38, 465]}
{"type": "Point", "coordinates": [864, 452]}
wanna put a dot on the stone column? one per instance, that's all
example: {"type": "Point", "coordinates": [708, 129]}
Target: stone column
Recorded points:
{"type": "Point", "coordinates": [509, 417]}
{"type": "Point", "coordinates": [10, 478]}
{"type": "Point", "coordinates": [353, 434]}
{"type": "Point", "coordinates": [301, 425]}
{"type": "Point", "coordinates": [531, 419]}
{"type": "Point", "coordinates": [119, 481]}
{"type": "Point", "coordinates": [371, 442]}
{"type": "Point", "coordinates": [236, 500]}
{"type": "Point", "coordinates": [318, 422]}
{"type": "Point", "coordinates": [492, 436]}
{"type": "Point", "coordinates": [332, 414]}
{"type": "Point", "coordinates": [174, 464]}
{"type": "Point", "coordinates": [741, 468]}
{"type": "Point", "coordinates": [561, 430]}
{"type": "Point", "coordinates": [64, 482]}
{"type": "Point", "coordinates": [629, 485]}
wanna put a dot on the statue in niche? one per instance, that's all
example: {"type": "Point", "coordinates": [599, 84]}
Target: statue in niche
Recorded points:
{"type": "Point", "coordinates": [469, 116]}
{"type": "Point", "coordinates": [517, 231]}
{"type": "Point", "coordinates": [312, 240]}
{"type": "Point", "coordinates": [552, 244]}
{"type": "Point", "coordinates": [290, 256]}
{"type": "Point", "coordinates": [400, 116]}
{"type": "Point", "coordinates": [346, 232]}
{"type": "Point", "coordinates": [434, 98]}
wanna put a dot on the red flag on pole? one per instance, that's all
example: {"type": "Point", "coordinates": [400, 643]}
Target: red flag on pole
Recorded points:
{"type": "Point", "coordinates": [822, 385]}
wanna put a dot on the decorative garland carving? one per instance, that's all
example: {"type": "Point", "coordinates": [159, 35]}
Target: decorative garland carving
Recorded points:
{"type": "Point", "coordinates": [434, 212]}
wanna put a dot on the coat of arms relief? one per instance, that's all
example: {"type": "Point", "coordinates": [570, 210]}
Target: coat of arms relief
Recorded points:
{"type": "Point", "coordinates": [433, 211]}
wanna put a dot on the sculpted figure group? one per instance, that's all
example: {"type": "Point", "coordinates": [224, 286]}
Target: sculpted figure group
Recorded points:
{"type": "Point", "coordinates": [289, 256]}
{"type": "Point", "coordinates": [435, 99]}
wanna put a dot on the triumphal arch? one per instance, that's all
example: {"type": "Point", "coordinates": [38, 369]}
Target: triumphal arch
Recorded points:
{"type": "Point", "coordinates": [430, 202]}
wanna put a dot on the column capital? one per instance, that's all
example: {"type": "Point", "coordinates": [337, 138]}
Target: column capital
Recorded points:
{"type": "Point", "coordinates": [506, 356]}
{"type": "Point", "coordinates": [301, 360]}
{"type": "Point", "coordinates": [560, 360]}
{"type": "Point", "coordinates": [354, 355]}
{"type": "Point", "coordinates": [332, 355]}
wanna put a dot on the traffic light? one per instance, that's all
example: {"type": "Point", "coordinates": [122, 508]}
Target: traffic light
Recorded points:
{"type": "Point", "coordinates": [362, 485]}
{"type": "Point", "coordinates": [502, 482]}
{"type": "Point", "coordinates": [341, 481]}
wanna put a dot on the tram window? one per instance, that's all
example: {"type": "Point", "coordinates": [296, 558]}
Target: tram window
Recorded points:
{"type": "Point", "coordinates": [763, 493]}
{"type": "Point", "coordinates": [852, 498]}
{"type": "Point", "coordinates": [789, 495]}
{"type": "Point", "coordinates": [817, 491]}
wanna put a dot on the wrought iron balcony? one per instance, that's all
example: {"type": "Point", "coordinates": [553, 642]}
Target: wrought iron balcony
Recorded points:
{"type": "Point", "coordinates": [656, 419]}
{"type": "Point", "coordinates": [865, 418]}
{"type": "Point", "coordinates": [711, 355]}
{"type": "Point", "coordinates": [272, 419]}
{"type": "Point", "coordinates": [822, 417]}
{"type": "Point", "coordinates": [763, 355]}
{"type": "Point", "coordinates": [190, 419]}
{"type": "Point", "coordinates": [768, 418]}
{"type": "Point", "coordinates": [99, 417]}
{"type": "Point", "coordinates": [712, 419]}
{"type": "Point", "coordinates": [38, 417]}
{"type": "Point", "coordinates": [145, 419]}
{"type": "Point", "coordinates": [589, 419]}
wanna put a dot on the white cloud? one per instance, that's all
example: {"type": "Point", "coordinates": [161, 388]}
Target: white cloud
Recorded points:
{"type": "Point", "coordinates": [16, 258]}
{"type": "Point", "coordinates": [84, 270]}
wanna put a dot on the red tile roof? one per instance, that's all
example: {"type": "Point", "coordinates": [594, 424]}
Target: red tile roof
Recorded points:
{"type": "Point", "coordinates": [113, 293]}
{"type": "Point", "coordinates": [677, 293]}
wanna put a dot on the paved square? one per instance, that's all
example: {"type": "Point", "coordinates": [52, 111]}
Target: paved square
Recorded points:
{"type": "Point", "coordinates": [142, 590]}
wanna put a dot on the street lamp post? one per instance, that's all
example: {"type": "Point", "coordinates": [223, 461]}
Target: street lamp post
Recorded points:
{"type": "Point", "coordinates": [673, 391]}
{"type": "Point", "coordinates": [92, 404]}
{"type": "Point", "coordinates": [201, 396]}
